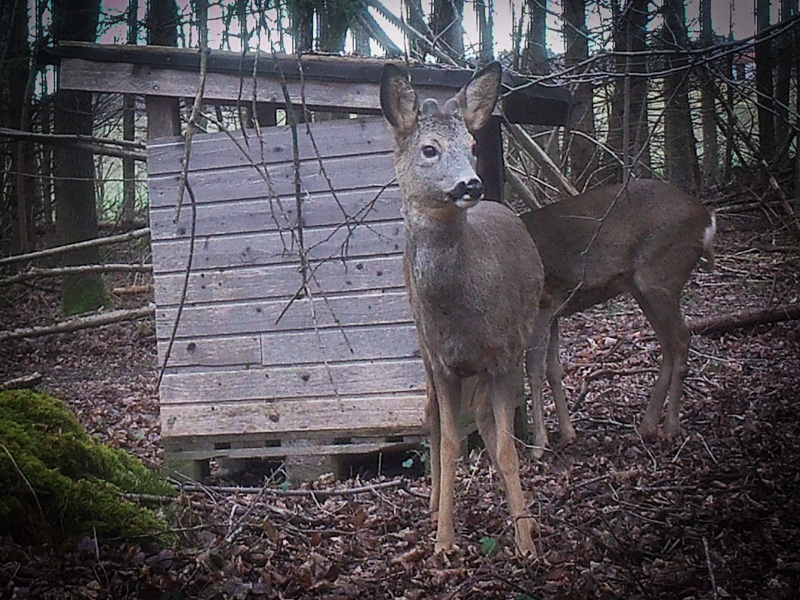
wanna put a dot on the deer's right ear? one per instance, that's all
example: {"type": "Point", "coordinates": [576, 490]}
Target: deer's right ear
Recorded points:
{"type": "Point", "coordinates": [398, 99]}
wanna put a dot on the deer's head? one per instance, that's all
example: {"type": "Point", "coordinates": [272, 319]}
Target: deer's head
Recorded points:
{"type": "Point", "coordinates": [435, 159]}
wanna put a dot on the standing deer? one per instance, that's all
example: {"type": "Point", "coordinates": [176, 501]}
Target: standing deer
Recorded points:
{"type": "Point", "coordinates": [643, 239]}
{"type": "Point", "coordinates": [473, 277]}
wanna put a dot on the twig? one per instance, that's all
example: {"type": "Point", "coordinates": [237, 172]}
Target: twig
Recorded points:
{"type": "Point", "coordinates": [267, 491]}
{"type": "Point", "coordinates": [714, 590]}
{"type": "Point", "coordinates": [25, 479]}
{"type": "Point", "coordinates": [104, 241]}
{"type": "Point", "coordinates": [25, 382]}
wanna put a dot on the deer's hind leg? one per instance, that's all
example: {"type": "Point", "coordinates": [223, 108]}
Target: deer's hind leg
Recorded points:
{"type": "Point", "coordinates": [434, 439]}
{"type": "Point", "coordinates": [662, 309]}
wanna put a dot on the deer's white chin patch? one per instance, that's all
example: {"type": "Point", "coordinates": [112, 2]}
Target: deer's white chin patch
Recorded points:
{"type": "Point", "coordinates": [465, 202]}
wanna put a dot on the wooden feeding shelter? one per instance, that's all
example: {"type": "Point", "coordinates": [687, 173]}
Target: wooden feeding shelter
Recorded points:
{"type": "Point", "coordinates": [280, 307]}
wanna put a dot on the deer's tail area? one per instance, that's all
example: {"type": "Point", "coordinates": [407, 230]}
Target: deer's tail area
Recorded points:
{"type": "Point", "coordinates": [708, 242]}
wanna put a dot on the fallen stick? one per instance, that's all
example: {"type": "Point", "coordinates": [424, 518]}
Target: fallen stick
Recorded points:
{"type": "Point", "coordinates": [745, 318]}
{"type": "Point", "coordinates": [76, 323]}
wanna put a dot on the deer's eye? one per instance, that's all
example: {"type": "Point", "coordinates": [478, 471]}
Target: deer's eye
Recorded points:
{"type": "Point", "coordinates": [429, 151]}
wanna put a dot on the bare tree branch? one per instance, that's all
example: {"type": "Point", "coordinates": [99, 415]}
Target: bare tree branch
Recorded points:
{"type": "Point", "coordinates": [104, 241]}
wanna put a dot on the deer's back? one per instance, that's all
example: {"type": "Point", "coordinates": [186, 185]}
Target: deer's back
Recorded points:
{"type": "Point", "coordinates": [474, 302]}
{"type": "Point", "coordinates": [597, 241]}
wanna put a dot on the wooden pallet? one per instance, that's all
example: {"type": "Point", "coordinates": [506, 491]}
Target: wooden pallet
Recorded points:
{"type": "Point", "coordinates": [302, 458]}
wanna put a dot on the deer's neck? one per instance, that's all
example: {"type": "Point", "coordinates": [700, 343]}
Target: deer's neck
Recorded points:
{"type": "Point", "coordinates": [435, 248]}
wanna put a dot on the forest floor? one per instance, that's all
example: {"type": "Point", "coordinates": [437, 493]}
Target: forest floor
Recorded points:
{"type": "Point", "coordinates": [712, 514]}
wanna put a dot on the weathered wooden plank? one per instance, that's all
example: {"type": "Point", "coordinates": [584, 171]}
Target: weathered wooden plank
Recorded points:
{"type": "Point", "coordinates": [340, 344]}
{"type": "Point", "coordinates": [256, 249]}
{"type": "Point", "coordinates": [260, 214]}
{"type": "Point", "coordinates": [275, 181]}
{"type": "Point", "coordinates": [294, 381]}
{"type": "Point", "coordinates": [355, 416]}
{"type": "Point", "coordinates": [260, 316]}
{"type": "Point", "coordinates": [77, 74]}
{"type": "Point", "coordinates": [280, 281]}
{"type": "Point", "coordinates": [241, 350]}
{"type": "Point", "coordinates": [364, 135]}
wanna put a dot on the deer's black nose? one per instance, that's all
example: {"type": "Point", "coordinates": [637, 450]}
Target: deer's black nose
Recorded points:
{"type": "Point", "coordinates": [472, 189]}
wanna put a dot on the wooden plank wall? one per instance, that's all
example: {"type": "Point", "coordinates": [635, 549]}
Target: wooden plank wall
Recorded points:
{"type": "Point", "coordinates": [253, 354]}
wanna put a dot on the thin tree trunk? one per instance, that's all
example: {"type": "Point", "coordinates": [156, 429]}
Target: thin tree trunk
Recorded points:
{"type": "Point", "coordinates": [162, 23]}
{"type": "Point", "coordinates": [628, 121]}
{"type": "Point", "coordinates": [484, 10]}
{"type": "Point", "coordinates": [21, 153]}
{"type": "Point", "coordinates": [416, 19]}
{"type": "Point", "coordinates": [786, 45]}
{"type": "Point", "coordinates": [680, 146]}
{"type": "Point", "coordinates": [301, 14]}
{"type": "Point", "coordinates": [581, 150]}
{"type": "Point", "coordinates": [764, 89]}
{"type": "Point", "coordinates": [447, 27]}
{"type": "Point", "coordinates": [129, 129]}
{"type": "Point", "coordinates": [707, 100]}
{"type": "Point", "coordinates": [76, 215]}
{"type": "Point", "coordinates": [534, 59]}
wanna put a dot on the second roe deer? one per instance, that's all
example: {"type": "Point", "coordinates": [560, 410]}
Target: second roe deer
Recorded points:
{"type": "Point", "coordinates": [473, 277]}
{"type": "Point", "coordinates": [644, 240]}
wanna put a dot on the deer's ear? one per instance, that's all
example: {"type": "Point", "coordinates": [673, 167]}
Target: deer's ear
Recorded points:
{"type": "Point", "coordinates": [478, 97]}
{"type": "Point", "coordinates": [398, 99]}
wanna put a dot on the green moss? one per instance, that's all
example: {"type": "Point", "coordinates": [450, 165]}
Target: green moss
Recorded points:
{"type": "Point", "coordinates": [83, 293]}
{"type": "Point", "coordinates": [57, 482]}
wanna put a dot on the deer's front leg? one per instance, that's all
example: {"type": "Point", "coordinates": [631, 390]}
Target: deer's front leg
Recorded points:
{"type": "Point", "coordinates": [504, 401]}
{"type": "Point", "coordinates": [448, 397]}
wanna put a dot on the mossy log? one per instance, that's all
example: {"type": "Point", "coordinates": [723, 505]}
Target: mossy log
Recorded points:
{"type": "Point", "coordinates": [58, 483]}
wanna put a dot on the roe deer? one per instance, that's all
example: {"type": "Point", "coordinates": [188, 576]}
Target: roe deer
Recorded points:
{"type": "Point", "coordinates": [473, 277]}
{"type": "Point", "coordinates": [643, 240]}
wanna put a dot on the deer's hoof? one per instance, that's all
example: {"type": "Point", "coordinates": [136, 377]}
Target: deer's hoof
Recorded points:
{"type": "Point", "coordinates": [523, 539]}
{"type": "Point", "coordinates": [567, 437]}
{"type": "Point", "coordinates": [445, 547]}
{"type": "Point", "coordinates": [648, 431]}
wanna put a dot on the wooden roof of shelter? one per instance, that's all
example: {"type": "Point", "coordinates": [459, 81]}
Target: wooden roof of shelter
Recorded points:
{"type": "Point", "coordinates": [343, 83]}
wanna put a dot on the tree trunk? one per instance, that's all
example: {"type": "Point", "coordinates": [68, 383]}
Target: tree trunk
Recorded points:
{"type": "Point", "coordinates": [128, 211]}
{"type": "Point", "coordinates": [764, 89]}
{"type": "Point", "coordinates": [707, 102]}
{"type": "Point", "coordinates": [162, 23]}
{"type": "Point", "coordinates": [680, 146]}
{"type": "Point", "coordinates": [446, 25]}
{"type": "Point", "coordinates": [76, 216]}
{"type": "Point", "coordinates": [416, 19]}
{"type": "Point", "coordinates": [786, 45]}
{"type": "Point", "coordinates": [484, 10]}
{"type": "Point", "coordinates": [581, 150]}
{"type": "Point", "coordinates": [16, 98]}
{"type": "Point", "coordinates": [335, 17]}
{"type": "Point", "coordinates": [301, 14]}
{"type": "Point", "coordinates": [534, 59]}
{"type": "Point", "coordinates": [628, 124]}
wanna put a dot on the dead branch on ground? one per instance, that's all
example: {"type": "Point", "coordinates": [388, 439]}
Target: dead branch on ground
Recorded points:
{"type": "Point", "coordinates": [80, 322]}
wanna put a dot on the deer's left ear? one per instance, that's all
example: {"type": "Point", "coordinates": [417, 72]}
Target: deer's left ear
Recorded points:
{"type": "Point", "coordinates": [478, 97]}
{"type": "Point", "coordinates": [398, 99]}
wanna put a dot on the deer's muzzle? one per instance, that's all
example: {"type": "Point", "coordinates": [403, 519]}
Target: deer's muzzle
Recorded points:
{"type": "Point", "coordinates": [467, 194]}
